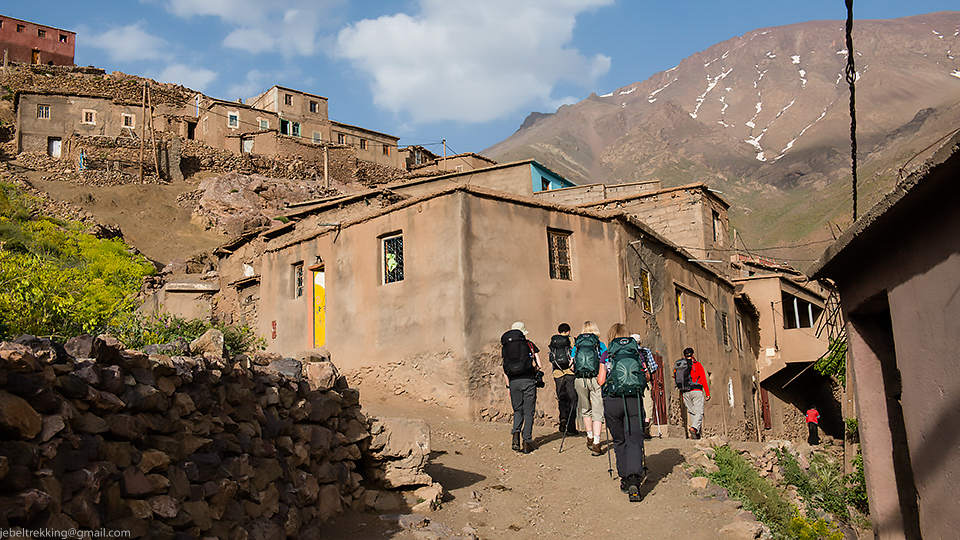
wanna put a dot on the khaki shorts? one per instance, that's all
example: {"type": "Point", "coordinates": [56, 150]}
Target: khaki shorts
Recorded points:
{"type": "Point", "coordinates": [590, 399]}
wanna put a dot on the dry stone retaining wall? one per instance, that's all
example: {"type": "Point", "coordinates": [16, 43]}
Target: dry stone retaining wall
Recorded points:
{"type": "Point", "coordinates": [93, 435]}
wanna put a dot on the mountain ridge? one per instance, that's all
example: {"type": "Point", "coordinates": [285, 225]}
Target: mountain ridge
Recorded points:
{"type": "Point", "coordinates": [764, 117]}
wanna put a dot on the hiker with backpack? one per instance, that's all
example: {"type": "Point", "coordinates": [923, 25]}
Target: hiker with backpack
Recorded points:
{"type": "Point", "coordinates": [691, 380]}
{"type": "Point", "coordinates": [561, 358]}
{"type": "Point", "coordinates": [521, 364]}
{"type": "Point", "coordinates": [623, 379]}
{"type": "Point", "coordinates": [588, 352]}
{"type": "Point", "coordinates": [646, 355]}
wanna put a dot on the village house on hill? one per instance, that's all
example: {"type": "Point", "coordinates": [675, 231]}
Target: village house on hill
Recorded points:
{"type": "Point", "coordinates": [32, 43]}
{"type": "Point", "coordinates": [411, 284]}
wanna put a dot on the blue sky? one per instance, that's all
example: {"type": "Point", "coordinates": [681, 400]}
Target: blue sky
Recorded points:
{"type": "Point", "coordinates": [466, 70]}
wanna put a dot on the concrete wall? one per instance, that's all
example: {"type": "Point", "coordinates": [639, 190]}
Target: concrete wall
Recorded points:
{"type": "Point", "coordinates": [21, 38]}
{"type": "Point", "coordinates": [596, 192]}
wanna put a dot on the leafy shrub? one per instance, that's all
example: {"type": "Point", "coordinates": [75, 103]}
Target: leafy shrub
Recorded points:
{"type": "Point", "coordinates": [802, 528]}
{"type": "Point", "coordinates": [759, 496]}
{"type": "Point", "coordinates": [834, 363]}
{"type": "Point", "coordinates": [137, 331]}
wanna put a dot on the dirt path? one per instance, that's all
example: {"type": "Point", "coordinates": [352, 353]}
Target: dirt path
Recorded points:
{"type": "Point", "coordinates": [500, 493]}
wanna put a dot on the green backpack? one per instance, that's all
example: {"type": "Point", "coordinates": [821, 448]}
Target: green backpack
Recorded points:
{"type": "Point", "coordinates": [586, 361]}
{"type": "Point", "coordinates": [627, 376]}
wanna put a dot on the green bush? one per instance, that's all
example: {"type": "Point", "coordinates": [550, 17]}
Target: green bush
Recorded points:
{"type": "Point", "coordinates": [757, 494]}
{"type": "Point", "coordinates": [137, 331]}
{"type": "Point", "coordinates": [802, 528]}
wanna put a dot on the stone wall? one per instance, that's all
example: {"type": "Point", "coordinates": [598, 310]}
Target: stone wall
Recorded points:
{"type": "Point", "coordinates": [165, 446]}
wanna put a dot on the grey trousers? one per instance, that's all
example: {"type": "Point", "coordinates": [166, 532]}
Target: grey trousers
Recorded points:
{"type": "Point", "coordinates": [523, 397]}
{"type": "Point", "coordinates": [694, 403]}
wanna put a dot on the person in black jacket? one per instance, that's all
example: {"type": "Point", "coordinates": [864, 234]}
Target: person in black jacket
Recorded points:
{"type": "Point", "coordinates": [521, 363]}
{"type": "Point", "coordinates": [561, 358]}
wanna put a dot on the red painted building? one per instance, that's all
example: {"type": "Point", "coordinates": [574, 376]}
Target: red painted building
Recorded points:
{"type": "Point", "coordinates": [33, 43]}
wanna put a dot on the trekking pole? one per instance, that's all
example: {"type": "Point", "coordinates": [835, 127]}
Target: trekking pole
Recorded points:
{"type": "Point", "coordinates": [609, 461]}
{"type": "Point", "coordinates": [572, 409]}
{"type": "Point", "coordinates": [656, 411]}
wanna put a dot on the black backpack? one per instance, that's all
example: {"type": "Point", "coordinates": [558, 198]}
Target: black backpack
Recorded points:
{"type": "Point", "coordinates": [627, 375]}
{"type": "Point", "coordinates": [560, 352]}
{"type": "Point", "coordinates": [517, 355]}
{"type": "Point", "coordinates": [586, 362]}
{"type": "Point", "coordinates": [682, 375]}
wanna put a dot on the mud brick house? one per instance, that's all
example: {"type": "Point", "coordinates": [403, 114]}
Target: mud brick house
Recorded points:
{"type": "Point", "coordinates": [426, 276]}
{"type": "Point", "coordinates": [898, 273]}
{"type": "Point", "coordinates": [32, 43]}
{"type": "Point", "coordinates": [791, 312]}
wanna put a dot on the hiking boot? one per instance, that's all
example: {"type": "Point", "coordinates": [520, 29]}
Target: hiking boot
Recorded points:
{"type": "Point", "coordinates": [633, 488]}
{"type": "Point", "coordinates": [646, 432]}
{"type": "Point", "coordinates": [590, 443]}
{"type": "Point", "coordinates": [516, 442]}
{"type": "Point", "coordinates": [563, 426]}
{"type": "Point", "coordinates": [696, 434]}
{"type": "Point", "coordinates": [596, 449]}
{"type": "Point", "coordinates": [624, 485]}
{"type": "Point", "coordinates": [527, 447]}
{"type": "Point", "coordinates": [693, 433]}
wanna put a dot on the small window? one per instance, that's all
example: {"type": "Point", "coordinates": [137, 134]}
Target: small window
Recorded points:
{"type": "Point", "coordinates": [723, 327]}
{"type": "Point", "coordinates": [88, 116]}
{"type": "Point", "coordinates": [317, 137]}
{"type": "Point", "coordinates": [417, 158]}
{"type": "Point", "coordinates": [298, 279]}
{"type": "Point", "coordinates": [314, 107]}
{"type": "Point", "coordinates": [798, 313]}
{"type": "Point", "coordinates": [233, 120]}
{"type": "Point", "coordinates": [21, 28]}
{"type": "Point", "coordinates": [341, 138]}
{"type": "Point", "coordinates": [679, 305]}
{"type": "Point", "coordinates": [295, 129]}
{"type": "Point", "coordinates": [41, 33]}
{"type": "Point", "coordinates": [393, 258]}
{"type": "Point", "coordinates": [544, 184]}
{"type": "Point", "coordinates": [559, 245]}
{"type": "Point", "coordinates": [287, 99]}
{"type": "Point", "coordinates": [703, 314]}
{"type": "Point", "coordinates": [363, 144]}
{"type": "Point", "coordinates": [129, 120]}
{"type": "Point", "coordinates": [264, 124]}
{"type": "Point", "coordinates": [645, 299]}
{"type": "Point", "coordinates": [43, 112]}
{"type": "Point", "coordinates": [63, 38]}
{"type": "Point", "coordinates": [717, 229]}
{"type": "Point", "coordinates": [386, 149]}
{"type": "Point", "coordinates": [739, 334]}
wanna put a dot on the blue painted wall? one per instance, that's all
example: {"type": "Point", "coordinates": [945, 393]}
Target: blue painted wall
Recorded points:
{"type": "Point", "coordinates": [543, 179]}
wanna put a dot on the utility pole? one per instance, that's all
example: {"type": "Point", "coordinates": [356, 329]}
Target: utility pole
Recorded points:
{"type": "Point", "coordinates": [444, 154]}
{"type": "Point", "coordinates": [326, 168]}
{"type": "Point", "coordinates": [153, 138]}
{"type": "Point", "coordinates": [143, 126]}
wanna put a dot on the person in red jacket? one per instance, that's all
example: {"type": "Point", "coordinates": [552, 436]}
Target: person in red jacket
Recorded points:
{"type": "Point", "coordinates": [696, 395]}
{"type": "Point", "coordinates": [813, 421]}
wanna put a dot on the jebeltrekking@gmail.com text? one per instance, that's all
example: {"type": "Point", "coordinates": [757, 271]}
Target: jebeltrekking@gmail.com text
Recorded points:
{"type": "Point", "coordinates": [63, 533]}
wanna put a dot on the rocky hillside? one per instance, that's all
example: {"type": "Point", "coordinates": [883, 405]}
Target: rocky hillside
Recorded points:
{"type": "Point", "coordinates": [764, 118]}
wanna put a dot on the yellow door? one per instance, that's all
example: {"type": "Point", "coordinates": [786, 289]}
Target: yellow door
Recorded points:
{"type": "Point", "coordinates": [319, 309]}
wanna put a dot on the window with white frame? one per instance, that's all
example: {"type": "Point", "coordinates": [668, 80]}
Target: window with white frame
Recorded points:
{"type": "Point", "coordinates": [799, 313]}
{"type": "Point", "coordinates": [314, 107]}
{"type": "Point", "coordinates": [264, 123]}
{"type": "Point", "coordinates": [295, 129]}
{"type": "Point", "coordinates": [43, 112]}
{"type": "Point", "coordinates": [88, 116]}
{"type": "Point", "coordinates": [233, 119]}
{"type": "Point", "coordinates": [129, 120]}
{"type": "Point", "coordinates": [317, 137]}
{"type": "Point", "coordinates": [392, 258]}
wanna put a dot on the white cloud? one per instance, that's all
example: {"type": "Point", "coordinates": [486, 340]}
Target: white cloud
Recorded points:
{"type": "Point", "coordinates": [471, 60]}
{"type": "Point", "coordinates": [129, 43]}
{"type": "Point", "coordinates": [196, 78]}
{"type": "Point", "coordinates": [289, 27]}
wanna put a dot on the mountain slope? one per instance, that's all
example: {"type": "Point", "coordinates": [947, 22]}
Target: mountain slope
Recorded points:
{"type": "Point", "coordinates": [764, 117]}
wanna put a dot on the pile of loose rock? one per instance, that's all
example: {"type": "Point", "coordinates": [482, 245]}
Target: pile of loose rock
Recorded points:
{"type": "Point", "coordinates": [165, 445]}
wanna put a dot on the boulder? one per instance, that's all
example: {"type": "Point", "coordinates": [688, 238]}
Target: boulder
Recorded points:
{"type": "Point", "coordinates": [17, 417]}
{"type": "Point", "coordinates": [211, 342]}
